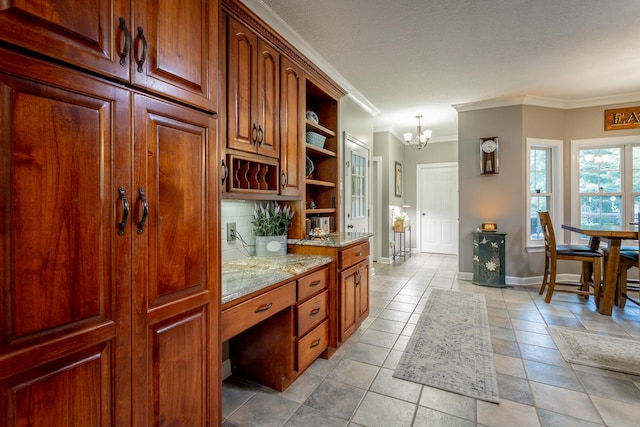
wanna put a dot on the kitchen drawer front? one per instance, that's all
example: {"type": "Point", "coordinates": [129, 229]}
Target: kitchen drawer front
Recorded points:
{"type": "Point", "coordinates": [312, 312]}
{"type": "Point", "coordinates": [243, 316]}
{"type": "Point", "coordinates": [312, 345]}
{"type": "Point", "coordinates": [314, 282]}
{"type": "Point", "coordinates": [351, 256]}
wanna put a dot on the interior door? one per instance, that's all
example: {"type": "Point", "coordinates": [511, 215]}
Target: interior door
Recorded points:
{"type": "Point", "coordinates": [176, 363]}
{"type": "Point", "coordinates": [357, 193]}
{"type": "Point", "coordinates": [438, 207]}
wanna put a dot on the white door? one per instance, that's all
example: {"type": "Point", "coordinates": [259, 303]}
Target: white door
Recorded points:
{"type": "Point", "coordinates": [356, 189]}
{"type": "Point", "coordinates": [438, 207]}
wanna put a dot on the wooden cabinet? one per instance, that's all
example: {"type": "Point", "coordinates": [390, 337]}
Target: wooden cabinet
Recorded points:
{"type": "Point", "coordinates": [111, 278]}
{"type": "Point", "coordinates": [176, 299]}
{"type": "Point", "coordinates": [292, 152]}
{"type": "Point", "coordinates": [253, 98]}
{"type": "Point", "coordinates": [348, 287]}
{"type": "Point", "coordinates": [275, 335]}
{"type": "Point", "coordinates": [134, 41]}
{"type": "Point", "coordinates": [354, 298]}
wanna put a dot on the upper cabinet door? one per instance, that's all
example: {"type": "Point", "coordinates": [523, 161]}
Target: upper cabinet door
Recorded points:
{"type": "Point", "coordinates": [292, 150]}
{"type": "Point", "coordinates": [253, 108]}
{"type": "Point", "coordinates": [92, 34]}
{"type": "Point", "coordinates": [175, 49]}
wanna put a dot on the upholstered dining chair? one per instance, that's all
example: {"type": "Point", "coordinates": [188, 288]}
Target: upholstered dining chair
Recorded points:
{"type": "Point", "coordinates": [590, 259]}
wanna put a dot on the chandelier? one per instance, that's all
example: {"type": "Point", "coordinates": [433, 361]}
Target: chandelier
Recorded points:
{"type": "Point", "coordinates": [421, 139]}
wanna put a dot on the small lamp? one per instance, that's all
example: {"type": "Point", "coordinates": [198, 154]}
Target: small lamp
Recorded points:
{"type": "Point", "coordinates": [489, 226]}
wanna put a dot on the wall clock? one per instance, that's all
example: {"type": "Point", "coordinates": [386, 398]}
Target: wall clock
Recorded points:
{"type": "Point", "coordinates": [489, 155]}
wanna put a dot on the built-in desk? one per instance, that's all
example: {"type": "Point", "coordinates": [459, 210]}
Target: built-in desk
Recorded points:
{"type": "Point", "coordinates": [275, 316]}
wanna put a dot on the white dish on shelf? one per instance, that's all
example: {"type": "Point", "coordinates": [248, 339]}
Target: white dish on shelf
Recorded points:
{"type": "Point", "coordinates": [312, 116]}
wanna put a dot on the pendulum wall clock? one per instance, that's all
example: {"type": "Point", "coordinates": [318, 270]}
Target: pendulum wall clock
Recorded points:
{"type": "Point", "coordinates": [489, 155]}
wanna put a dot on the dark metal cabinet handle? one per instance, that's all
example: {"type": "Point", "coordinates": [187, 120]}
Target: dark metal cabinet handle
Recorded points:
{"type": "Point", "coordinates": [127, 41]}
{"type": "Point", "coordinates": [358, 277]}
{"type": "Point", "coordinates": [314, 311]}
{"type": "Point", "coordinates": [226, 171]}
{"type": "Point", "coordinates": [125, 211]}
{"type": "Point", "coordinates": [254, 134]}
{"type": "Point", "coordinates": [316, 283]}
{"type": "Point", "coordinates": [315, 343]}
{"type": "Point", "coordinates": [264, 308]}
{"type": "Point", "coordinates": [260, 135]}
{"type": "Point", "coordinates": [143, 57]}
{"type": "Point", "coordinates": [284, 179]}
{"type": "Point", "coordinates": [145, 210]}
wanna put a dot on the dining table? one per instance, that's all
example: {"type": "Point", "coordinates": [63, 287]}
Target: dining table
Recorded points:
{"type": "Point", "coordinates": [613, 235]}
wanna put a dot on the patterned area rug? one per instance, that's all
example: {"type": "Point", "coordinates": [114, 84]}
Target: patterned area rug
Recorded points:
{"type": "Point", "coordinates": [599, 351]}
{"type": "Point", "coordinates": [450, 348]}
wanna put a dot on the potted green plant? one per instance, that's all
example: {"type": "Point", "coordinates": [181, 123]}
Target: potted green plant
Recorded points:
{"type": "Point", "coordinates": [399, 220]}
{"type": "Point", "coordinates": [270, 227]}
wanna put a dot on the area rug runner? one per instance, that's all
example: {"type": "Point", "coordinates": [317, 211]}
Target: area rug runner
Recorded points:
{"type": "Point", "coordinates": [450, 348]}
{"type": "Point", "coordinates": [600, 351]}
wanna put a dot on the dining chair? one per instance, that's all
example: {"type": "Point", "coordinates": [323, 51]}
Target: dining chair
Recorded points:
{"type": "Point", "coordinates": [628, 259]}
{"type": "Point", "coordinates": [590, 259]}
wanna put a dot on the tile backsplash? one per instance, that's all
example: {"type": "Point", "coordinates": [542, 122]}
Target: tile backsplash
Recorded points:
{"type": "Point", "coordinates": [240, 212]}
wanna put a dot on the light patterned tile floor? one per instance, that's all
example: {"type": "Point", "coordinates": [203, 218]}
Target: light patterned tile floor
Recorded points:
{"type": "Point", "coordinates": [537, 387]}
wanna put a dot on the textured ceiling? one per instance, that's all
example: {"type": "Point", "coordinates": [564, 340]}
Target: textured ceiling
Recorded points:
{"type": "Point", "coordinates": [409, 57]}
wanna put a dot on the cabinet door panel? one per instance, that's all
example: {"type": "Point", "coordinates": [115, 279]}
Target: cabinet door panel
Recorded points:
{"type": "Point", "coordinates": [241, 87]}
{"type": "Point", "coordinates": [76, 392]}
{"type": "Point", "coordinates": [86, 33]}
{"type": "Point", "coordinates": [181, 49]}
{"type": "Point", "coordinates": [175, 269]}
{"type": "Point", "coordinates": [292, 149]}
{"type": "Point", "coordinates": [65, 285]}
{"type": "Point", "coordinates": [268, 100]}
{"type": "Point", "coordinates": [348, 317]}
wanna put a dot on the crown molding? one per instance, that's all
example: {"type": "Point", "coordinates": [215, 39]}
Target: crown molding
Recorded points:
{"type": "Point", "coordinates": [539, 101]}
{"type": "Point", "coordinates": [267, 14]}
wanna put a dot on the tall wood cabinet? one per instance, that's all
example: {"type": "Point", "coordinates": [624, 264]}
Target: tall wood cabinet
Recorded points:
{"type": "Point", "coordinates": [136, 41]}
{"type": "Point", "coordinates": [109, 232]}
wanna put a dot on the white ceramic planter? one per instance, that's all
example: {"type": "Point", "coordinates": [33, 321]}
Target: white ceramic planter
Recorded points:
{"type": "Point", "coordinates": [271, 245]}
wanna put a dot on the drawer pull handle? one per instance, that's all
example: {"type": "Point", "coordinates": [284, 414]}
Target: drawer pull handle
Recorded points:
{"type": "Point", "coordinates": [314, 311]}
{"type": "Point", "coordinates": [358, 253]}
{"type": "Point", "coordinates": [264, 308]}
{"type": "Point", "coordinates": [316, 283]}
{"type": "Point", "coordinates": [315, 343]}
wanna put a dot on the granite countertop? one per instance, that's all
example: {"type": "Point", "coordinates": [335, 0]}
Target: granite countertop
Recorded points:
{"type": "Point", "coordinates": [334, 240]}
{"type": "Point", "coordinates": [247, 275]}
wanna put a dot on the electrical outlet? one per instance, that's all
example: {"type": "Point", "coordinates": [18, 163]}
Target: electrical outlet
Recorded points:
{"type": "Point", "coordinates": [231, 231]}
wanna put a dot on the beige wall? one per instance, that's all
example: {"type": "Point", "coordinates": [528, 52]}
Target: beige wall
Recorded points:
{"type": "Point", "coordinates": [500, 198]}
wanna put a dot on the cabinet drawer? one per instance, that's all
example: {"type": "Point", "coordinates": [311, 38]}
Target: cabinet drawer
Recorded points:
{"type": "Point", "coordinates": [243, 316]}
{"type": "Point", "coordinates": [312, 345]}
{"type": "Point", "coordinates": [312, 283]}
{"type": "Point", "coordinates": [354, 255]}
{"type": "Point", "coordinates": [311, 313]}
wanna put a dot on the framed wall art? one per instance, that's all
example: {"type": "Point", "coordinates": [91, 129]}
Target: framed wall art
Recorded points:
{"type": "Point", "coordinates": [398, 179]}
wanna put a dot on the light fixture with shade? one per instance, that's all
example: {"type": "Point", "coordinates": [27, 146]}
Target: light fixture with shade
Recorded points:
{"type": "Point", "coordinates": [421, 139]}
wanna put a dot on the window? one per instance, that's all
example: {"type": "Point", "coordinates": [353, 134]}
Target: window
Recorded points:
{"type": "Point", "coordinates": [358, 202]}
{"type": "Point", "coordinates": [544, 191]}
{"type": "Point", "coordinates": [606, 180]}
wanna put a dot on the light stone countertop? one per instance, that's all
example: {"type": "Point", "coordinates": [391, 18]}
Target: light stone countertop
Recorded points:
{"type": "Point", "coordinates": [247, 275]}
{"type": "Point", "coordinates": [334, 240]}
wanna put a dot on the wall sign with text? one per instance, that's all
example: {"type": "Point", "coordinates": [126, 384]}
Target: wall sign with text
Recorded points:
{"type": "Point", "coordinates": [622, 118]}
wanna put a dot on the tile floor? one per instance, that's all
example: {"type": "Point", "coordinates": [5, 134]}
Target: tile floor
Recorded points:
{"type": "Point", "coordinates": [537, 387]}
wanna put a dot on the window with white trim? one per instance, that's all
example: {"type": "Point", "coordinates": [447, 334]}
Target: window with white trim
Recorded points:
{"type": "Point", "coordinates": [606, 180]}
{"type": "Point", "coordinates": [543, 186]}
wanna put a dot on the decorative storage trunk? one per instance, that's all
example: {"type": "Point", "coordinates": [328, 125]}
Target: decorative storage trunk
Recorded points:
{"type": "Point", "coordinates": [271, 245]}
{"type": "Point", "coordinates": [488, 258]}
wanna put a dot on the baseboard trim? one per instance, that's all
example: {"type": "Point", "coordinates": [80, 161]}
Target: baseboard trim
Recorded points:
{"type": "Point", "coordinates": [525, 281]}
